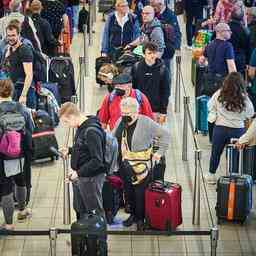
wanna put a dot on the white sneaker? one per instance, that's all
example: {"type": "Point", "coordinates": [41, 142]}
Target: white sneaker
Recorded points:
{"type": "Point", "coordinates": [211, 178]}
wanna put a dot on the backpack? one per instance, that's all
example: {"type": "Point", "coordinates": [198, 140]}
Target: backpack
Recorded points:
{"type": "Point", "coordinates": [110, 153]}
{"type": "Point", "coordinates": [83, 19]}
{"type": "Point", "coordinates": [169, 37]}
{"type": "Point", "coordinates": [12, 125]}
{"type": "Point", "coordinates": [27, 32]}
{"type": "Point", "coordinates": [138, 96]}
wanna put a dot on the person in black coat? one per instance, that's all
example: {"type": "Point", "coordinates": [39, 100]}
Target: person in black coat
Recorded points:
{"type": "Point", "coordinates": [240, 39]}
{"type": "Point", "coordinates": [151, 77]}
{"type": "Point", "coordinates": [88, 168]}
{"type": "Point", "coordinates": [194, 13]}
{"type": "Point", "coordinates": [44, 31]}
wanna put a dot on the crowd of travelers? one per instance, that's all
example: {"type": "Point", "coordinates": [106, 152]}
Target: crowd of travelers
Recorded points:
{"type": "Point", "coordinates": [135, 110]}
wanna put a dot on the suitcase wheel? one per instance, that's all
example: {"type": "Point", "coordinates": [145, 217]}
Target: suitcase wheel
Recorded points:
{"type": "Point", "coordinates": [147, 223]}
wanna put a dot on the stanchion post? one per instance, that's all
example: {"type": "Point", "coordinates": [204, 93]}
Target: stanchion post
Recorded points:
{"type": "Point", "coordinates": [177, 87]}
{"type": "Point", "coordinates": [91, 11]}
{"type": "Point", "coordinates": [185, 130]}
{"type": "Point", "coordinates": [66, 201]}
{"type": "Point", "coordinates": [214, 240]}
{"type": "Point", "coordinates": [53, 241]}
{"type": "Point", "coordinates": [86, 53]}
{"type": "Point", "coordinates": [82, 84]}
{"type": "Point", "coordinates": [197, 186]}
{"type": "Point", "coordinates": [94, 11]}
{"type": "Point", "coordinates": [74, 100]}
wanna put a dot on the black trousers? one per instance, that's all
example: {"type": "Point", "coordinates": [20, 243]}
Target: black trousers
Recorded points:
{"type": "Point", "coordinates": [135, 193]}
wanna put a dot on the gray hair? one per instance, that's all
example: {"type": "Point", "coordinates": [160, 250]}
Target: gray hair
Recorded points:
{"type": "Point", "coordinates": [131, 103]}
{"type": "Point", "coordinates": [15, 5]}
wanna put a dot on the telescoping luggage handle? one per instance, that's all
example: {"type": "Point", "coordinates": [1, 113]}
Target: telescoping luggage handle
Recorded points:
{"type": "Point", "coordinates": [161, 186]}
{"type": "Point", "coordinates": [230, 158]}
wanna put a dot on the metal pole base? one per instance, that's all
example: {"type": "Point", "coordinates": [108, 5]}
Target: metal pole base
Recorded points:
{"type": "Point", "coordinates": [214, 240]}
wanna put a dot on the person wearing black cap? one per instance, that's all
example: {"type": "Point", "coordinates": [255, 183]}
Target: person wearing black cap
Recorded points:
{"type": "Point", "coordinates": [110, 110]}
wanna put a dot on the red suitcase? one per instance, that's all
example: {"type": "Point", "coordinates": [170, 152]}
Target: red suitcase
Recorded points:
{"type": "Point", "coordinates": [163, 205]}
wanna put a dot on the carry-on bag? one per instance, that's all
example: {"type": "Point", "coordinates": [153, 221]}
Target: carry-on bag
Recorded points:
{"type": "Point", "coordinates": [99, 62]}
{"type": "Point", "coordinates": [202, 114]}
{"type": "Point", "coordinates": [87, 236]}
{"type": "Point", "coordinates": [234, 192]}
{"type": "Point", "coordinates": [197, 72]}
{"type": "Point", "coordinates": [83, 19]}
{"type": "Point", "coordinates": [248, 159]}
{"type": "Point", "coordinates": [163, 205]}
{"type": "Point", "coordinates": [43, 137]}
{"type": "Point", "coordinates": [112, 194]}
{"type": "Point", "coordinates": [61, 71]}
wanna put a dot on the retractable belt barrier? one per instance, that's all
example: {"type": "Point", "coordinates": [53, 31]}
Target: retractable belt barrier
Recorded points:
{"type": "Point", "coordinates": [54, 232]}
{"type": "Point", "coordinates": [188, 122]}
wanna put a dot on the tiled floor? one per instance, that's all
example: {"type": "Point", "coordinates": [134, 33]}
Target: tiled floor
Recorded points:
{"type": "Point", "coordinates": [47, 193]}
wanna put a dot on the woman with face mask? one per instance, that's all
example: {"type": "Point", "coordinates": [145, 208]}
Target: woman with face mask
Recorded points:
{"type": "Point", "coordinates": [135, 134]}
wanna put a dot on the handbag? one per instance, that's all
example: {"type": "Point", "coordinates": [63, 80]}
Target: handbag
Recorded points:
{"type": "Point", "coordinates": [13, 167]}
{"type": "Point", "coordinates": [178, 7]}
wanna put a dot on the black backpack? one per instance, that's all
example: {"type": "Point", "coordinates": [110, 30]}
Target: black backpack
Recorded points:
{"type": "Point", "coordinates": [83, 19]}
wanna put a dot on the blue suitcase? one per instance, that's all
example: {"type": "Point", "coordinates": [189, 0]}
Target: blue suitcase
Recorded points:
{"type": "Point", "coordinates": [202, 114]}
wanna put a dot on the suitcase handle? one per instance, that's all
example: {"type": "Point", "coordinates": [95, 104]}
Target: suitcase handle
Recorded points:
{"type": "Point", "coordinates": [160, 186]}
{"type": "Point", "coordinates": [230, 152]}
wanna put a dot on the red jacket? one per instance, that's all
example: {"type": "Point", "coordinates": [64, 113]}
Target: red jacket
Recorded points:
{"type": "Point", "coordinates": [110, 110]}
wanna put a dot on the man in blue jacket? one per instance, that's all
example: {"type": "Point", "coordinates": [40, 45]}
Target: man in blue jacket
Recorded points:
{"type": "Point", "coordinates": [121, 28]}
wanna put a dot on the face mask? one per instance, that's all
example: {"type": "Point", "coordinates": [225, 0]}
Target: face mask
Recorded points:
{"type": "Point", "coordinates": [126, 119]}
{"type": "Point", "coordinates": [119, 92]}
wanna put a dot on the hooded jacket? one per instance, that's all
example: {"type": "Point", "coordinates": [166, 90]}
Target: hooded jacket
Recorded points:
{"type": "Point", "coordinates": [154, 33]}
{"type": "Point", "coordinates": [153, 81]}
{"type": "Point", "coordinates": [87, 156]}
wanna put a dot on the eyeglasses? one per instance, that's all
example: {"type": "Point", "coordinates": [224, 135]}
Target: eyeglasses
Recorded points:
{"type": "Point", "coordinates": [227, 30]}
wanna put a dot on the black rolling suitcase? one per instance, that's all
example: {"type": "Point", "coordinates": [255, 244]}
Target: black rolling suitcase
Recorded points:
{"type": "Point", "coordinates": [234, 192]}
{"type": "Point", "coordinates": [43, 136]}
{"type": "Point", "coordinates": [61, 71]}
{"type": "Point", "coordinates": [87, 236]}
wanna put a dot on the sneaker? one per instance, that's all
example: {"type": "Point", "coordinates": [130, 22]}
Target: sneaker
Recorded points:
{"type": "Point", "coordinates": [24, 214]}
{"type": "Point", "coordinates": [189, 47]}
{"type": "Point", "coordinates": [128, 222]}
{"type": "Point", "coordinates": [140, 225]}
{"type": "Point", "coordinates": [211, 178]}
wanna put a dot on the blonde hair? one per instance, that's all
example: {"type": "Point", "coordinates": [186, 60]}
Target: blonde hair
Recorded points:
{"type": "Point", "coordinates": [68, 109]}
{"type": "Point", "coordinates": [130, 103]}
{"type": "Point", "coordinates": [119, 2]}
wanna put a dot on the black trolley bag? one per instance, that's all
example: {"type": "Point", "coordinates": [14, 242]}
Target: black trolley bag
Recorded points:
{"type": "Point", "coordinates": [61, 71]}
{"type": "Point", "coordinates": [88, 237]}
{"type": "Point", "coordinates": [234, 191]}
{"type": "Point", "coordinates": [43, 137]}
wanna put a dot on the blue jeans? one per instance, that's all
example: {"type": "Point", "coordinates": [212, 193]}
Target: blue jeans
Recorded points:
{"type": "Point", "coordinates": [221, 137]}
{"type": "Point", "coordinates": [31, 96]}
{"type": "Point", "coordinates": [75, 9]}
